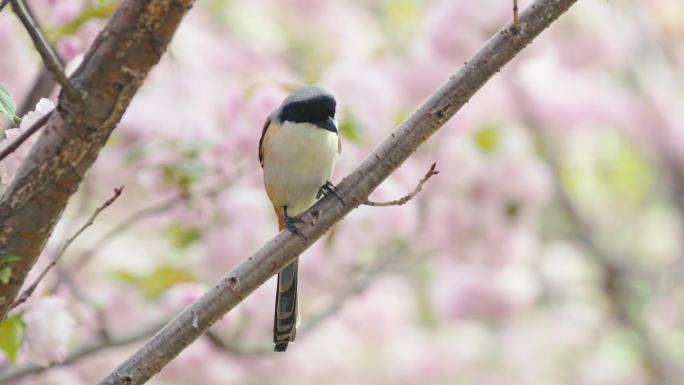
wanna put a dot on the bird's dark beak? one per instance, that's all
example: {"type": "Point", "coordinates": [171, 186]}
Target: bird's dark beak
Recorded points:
{"type": "Point", "coordinates": [328, 124]}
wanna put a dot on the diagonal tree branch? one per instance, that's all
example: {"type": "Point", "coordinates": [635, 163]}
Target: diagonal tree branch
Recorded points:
{"type": "Point", "coordinates": [355, 188]}
{"type": "Point", "coordinates": [50, 58]}
{"type": "Point", "coordinates": [132, 42]}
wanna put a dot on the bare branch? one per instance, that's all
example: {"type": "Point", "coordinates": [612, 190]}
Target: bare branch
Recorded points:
{"type": "Point", "coordinates": [84, 351]}
{"type": "Point", "coordinates": [24, 136]}
{"type": "Point", "coordinates": [228, 292]}
{"type": "Point", "coordinates": [52, 62]}
{"type": "Point", "coordinates": [29, 290]}
{"type": "Point", "coordinates": [113, 69]}
{"type": "Point", "coordinates": [134, 218]}
{"type": "Point", "coordinates": [398, 202]}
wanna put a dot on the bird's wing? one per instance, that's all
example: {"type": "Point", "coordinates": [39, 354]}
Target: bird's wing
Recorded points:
{"type": "Point", "coordinates": [261, 140]}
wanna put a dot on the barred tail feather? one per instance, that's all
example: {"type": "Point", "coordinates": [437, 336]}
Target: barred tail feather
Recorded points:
{"type": "Point", "coordinates": [286, 312]}
{"type": "Point", "coordinates": [285, 324]}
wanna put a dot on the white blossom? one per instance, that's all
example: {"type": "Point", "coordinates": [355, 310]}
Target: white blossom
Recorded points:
{"type": "Point", "coordinates": [10, 165]}
{"type": "Point", "coordinates": [49, 326]}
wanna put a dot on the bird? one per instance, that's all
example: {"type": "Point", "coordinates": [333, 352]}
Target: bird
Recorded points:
{"type": "Point", "coordinates": [298, 149]}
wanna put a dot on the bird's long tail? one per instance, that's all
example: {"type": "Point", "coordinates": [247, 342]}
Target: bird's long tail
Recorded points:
{"type": "Point", "coordinates": [285, 323]}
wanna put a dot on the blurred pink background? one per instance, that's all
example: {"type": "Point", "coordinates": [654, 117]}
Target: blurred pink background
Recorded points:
{"type": "Point", "coordinates": [547, 251]}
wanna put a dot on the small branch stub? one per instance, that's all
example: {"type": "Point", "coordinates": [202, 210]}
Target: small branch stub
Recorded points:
{"type": "Point", "coordinates": [403, 200]}
{"type": "Point", "coordinates": [516, 27]}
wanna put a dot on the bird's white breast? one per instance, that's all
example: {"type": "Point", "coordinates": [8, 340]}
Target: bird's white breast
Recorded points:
{"type": "Point", "coordinates": [298, 159]}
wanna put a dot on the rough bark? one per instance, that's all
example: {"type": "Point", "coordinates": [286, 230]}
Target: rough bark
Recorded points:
{"type": "Point", "coordinates": [131, 43]}
{"type": "Point", "coordinates": [355, 188]}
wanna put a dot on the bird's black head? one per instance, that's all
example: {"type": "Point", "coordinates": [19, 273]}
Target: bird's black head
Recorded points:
{"type": "Point", "coordinates": [309, 105]}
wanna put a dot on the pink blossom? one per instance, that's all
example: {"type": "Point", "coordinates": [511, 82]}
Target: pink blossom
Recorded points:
{"type": "Point", "coordinates": [49, 326]}
{"type": "Point", "coordinates": [64, 11]}
{"type": "Point", "coordinates": [180, 295]}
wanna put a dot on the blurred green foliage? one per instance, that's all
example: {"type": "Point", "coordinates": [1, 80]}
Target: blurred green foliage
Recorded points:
{"type": "Point", "coordinates": [613, 171]}
{"type": "Point", "coordinates": [102, 11]}
{"type": "Point", "coordinates": [182, 236]}
{"type": "Point", "coordinates": [351, 128]}
{"type": "Point", "coordinates": [11, 333]}
{"type": "Point", "coordinates": [487, 138]}
{"type": "Point", "coordinates": [156, 282]}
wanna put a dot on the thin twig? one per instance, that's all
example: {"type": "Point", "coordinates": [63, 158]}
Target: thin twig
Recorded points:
{"type": "Point", "coordinates": [398, 202]}
{"type": "Point", "coordinates": [138, 216]}
{"type": "Point", "coordinates": [25, 135]}
{"type": "Point", "coordinates": [29, 290]}
{"type": "Point", "coordinates": [516, 27]}
{"type": "Point", "coordinates": [50, 58]}
{"type": "Point", "coordinates": [84, 351]}
{"type": "Point", "coordinates": [134, 218]}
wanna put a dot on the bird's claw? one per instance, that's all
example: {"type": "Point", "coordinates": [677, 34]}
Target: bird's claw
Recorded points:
{"type": "Point", "coordinates": [291, 224]}
{"type": "Point", "coordinates": [329, 188]}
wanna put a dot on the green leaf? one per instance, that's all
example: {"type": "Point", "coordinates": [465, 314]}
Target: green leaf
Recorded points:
{"type": "Point", "coordinates": [11, 334]}
{"type": "Point", "coordinates": [183, 174]}
{"type": "Point", "coordinates": [7, 105]}
{"type": "Point", "coordinates": [90, 12]}
{"type": "Point", "coordinates": [487, 138]}
{"type": "Point", "coordinates": [512, 210]}
{"type": "Point", "coordinates": [401, 13]}
{"type": "Point", "coordinates": [9, 258]}
{"type": "Point", "coordinates": [613, 171]}
{"type": "Point", "coordinates": [183, 236]}
{"type": "Point", "coordinates": [158, 281]}
{"type": "Point", "coordinates": [5, 275]}
{"type": "Point", "coordinates": [351, 128]}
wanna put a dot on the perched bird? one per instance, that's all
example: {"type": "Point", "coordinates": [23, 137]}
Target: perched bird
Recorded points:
{"type": "Point", "coordinates": [297, 151]}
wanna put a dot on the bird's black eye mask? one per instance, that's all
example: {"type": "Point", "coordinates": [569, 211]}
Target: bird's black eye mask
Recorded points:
{"type": "Point", "coordinates": [319, 110]}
